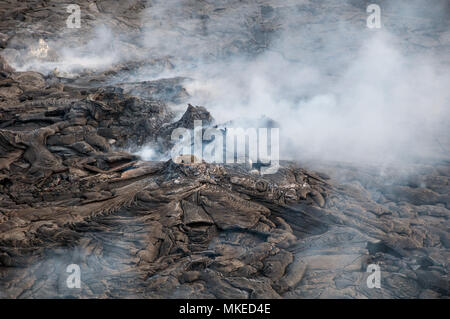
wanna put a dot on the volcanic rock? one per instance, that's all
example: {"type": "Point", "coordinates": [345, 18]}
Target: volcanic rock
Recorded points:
{"type": "Point", "coordinates": [72, 190]}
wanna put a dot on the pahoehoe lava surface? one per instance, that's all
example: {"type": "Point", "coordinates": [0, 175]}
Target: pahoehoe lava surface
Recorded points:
{"type": "Point", "coordinates": [70, 193]}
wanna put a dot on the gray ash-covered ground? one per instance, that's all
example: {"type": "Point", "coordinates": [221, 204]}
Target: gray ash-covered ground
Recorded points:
{"type": "Point", "coordinates": [71, 192]}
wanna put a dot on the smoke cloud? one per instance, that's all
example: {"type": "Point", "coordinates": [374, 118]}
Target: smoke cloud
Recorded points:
{"type": "Point", "coordinates": [337, 89]}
